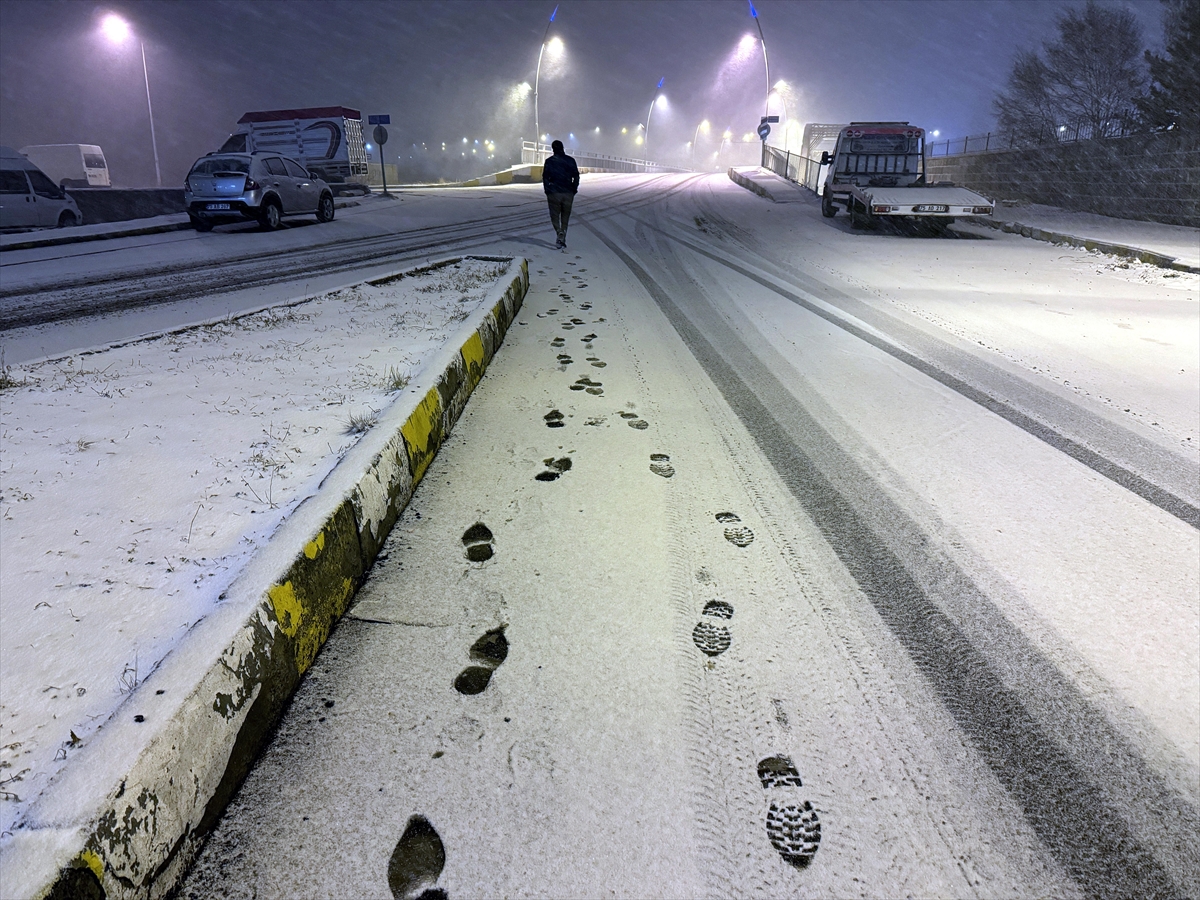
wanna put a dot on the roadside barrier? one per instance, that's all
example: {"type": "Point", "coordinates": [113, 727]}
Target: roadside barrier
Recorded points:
{"type": "Point", "coordinates": [126, 818]}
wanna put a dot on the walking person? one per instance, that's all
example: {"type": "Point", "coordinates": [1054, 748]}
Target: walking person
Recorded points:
{"type": "Point", "coordinates": [560, 179]}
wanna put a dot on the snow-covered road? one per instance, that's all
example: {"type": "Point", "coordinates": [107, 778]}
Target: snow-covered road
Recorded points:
{"type": "Point", "coordinates": [783, 524]}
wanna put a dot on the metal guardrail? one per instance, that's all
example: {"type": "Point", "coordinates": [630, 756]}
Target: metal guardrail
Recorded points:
{"type": "Point", "coordinates": [1118, 126]}
{"type": "Point", "coordinates": [536, 153]}
{"type": "Point", "coordinates": [802, 170]}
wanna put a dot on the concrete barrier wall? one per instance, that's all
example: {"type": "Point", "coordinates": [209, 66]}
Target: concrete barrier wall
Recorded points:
{"type": "Point", "coordinates": [121, 204]}
{"type": "Point", "coordinates": [1153, 177]}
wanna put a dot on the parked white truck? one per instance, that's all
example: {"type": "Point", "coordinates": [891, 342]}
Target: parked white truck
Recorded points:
{"type": "Point", "coordinates": [327, 140]}
{"type": "Point", "coordinates": [877, 171]}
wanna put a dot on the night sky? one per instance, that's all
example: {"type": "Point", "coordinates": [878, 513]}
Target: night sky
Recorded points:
{"type": "Point", "coordinates": [448, 70]}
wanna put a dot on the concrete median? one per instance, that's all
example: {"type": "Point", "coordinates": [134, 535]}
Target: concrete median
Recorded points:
{"type": "Point", "coordinates": [127, 816]}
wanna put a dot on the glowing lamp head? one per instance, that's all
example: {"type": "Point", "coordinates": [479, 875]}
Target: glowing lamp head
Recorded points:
{"type": "Point", "coordinates": [115, 28]}
{"type": "Point", "coordinates": [661, 102]}
{"type": "Point", "coordinates": [555, 47]}
{"type": "Point", "coordinates": [704, 126]}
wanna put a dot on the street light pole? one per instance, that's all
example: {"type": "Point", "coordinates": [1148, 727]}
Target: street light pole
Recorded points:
{"type": "Point", "coordinates": [150, 110]}
{"type": "Point", "coordinates": [696, 137]}
{"type": "Point", "coordinates": [537, 125]}
{"type": "Point", "coordinates": [646, 137]}
{"type": "Point", "coordinates": [762, 40]}
{"type": "Point", "coordinates": [118, 31]}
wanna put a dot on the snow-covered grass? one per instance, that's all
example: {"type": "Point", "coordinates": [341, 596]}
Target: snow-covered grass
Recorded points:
{"type": "Point", "coordinates": [137, 479]}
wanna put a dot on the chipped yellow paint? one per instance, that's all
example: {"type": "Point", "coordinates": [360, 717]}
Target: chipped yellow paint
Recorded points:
{"type": "Point", "coordinates": [313, 638]}
{"type": "Point", "coordinates": [312, 548]}
{"type": "Point", "coordinates": [287, 607]}
{"type": "Point", "coordinates": [474, 182]}
{"type": "Point", "coordinates": [504, 178]}
{"type": "Point", "coordinates": [418, 431]}
{"type": "Point", "coordinates": [472, 354]}
{"type": "Point", "coordinates": [91, 859]}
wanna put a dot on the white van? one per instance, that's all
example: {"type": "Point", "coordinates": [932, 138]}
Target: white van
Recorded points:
{"type": "Point", "coordinates": [29, 199]}
{"type": "Point", "coordinates": [70, 165]}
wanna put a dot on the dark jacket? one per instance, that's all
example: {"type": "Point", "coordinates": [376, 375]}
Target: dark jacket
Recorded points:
{"type": "Point", "coordinates": [560, 175]}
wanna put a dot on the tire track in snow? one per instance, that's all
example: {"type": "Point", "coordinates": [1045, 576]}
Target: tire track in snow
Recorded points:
{"type": "Point", "coordinates": [1161, 497]}
{"type": "Point", "coordinates": [1092, 799]}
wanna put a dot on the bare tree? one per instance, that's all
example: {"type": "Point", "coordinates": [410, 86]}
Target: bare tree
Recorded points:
{"type": "Point", "coordinates": [1092, 75]}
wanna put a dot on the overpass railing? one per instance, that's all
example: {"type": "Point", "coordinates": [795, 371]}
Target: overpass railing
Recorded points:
{"type": "Point", "coordinates": [1121, 125]}
{"type": "Point", "coordinates": [536, 153]}
{"type": "Point", "coordinates": [802, 170]}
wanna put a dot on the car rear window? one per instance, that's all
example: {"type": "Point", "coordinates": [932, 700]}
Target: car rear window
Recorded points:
{"type": "Point", "coordinates": [215, 165]}
{"type": "Point", "coordinates": [294, 169]}
{"type": "Point", "coordinates": [94, 161]}
{"type": "Point", "coordinates": [13, 182]}
{"type": "Point", "coordinates": [275, 166]}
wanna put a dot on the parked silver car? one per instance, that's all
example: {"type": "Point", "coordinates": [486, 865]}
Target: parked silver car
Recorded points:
{"type": "Point", "coordinates": [264, 187]}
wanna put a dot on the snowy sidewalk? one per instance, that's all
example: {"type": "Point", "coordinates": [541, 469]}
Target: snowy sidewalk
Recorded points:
{"type": "Point", "coordinates": [1177, 241]}
{"type": "Point", "coordinates": [768, 184]}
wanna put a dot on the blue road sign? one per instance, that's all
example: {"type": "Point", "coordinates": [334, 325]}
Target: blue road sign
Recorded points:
{"type": "Point", "coordinates": [763, 130]}
{"type": "Point", "coordinates": [379, 120]}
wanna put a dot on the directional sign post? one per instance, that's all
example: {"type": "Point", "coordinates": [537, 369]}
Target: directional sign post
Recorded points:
{"type": "Point", "coordinates": [381, 137]}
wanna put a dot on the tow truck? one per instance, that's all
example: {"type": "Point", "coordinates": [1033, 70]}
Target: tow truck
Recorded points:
{"type": "Point", "coordinates": [877, 171]}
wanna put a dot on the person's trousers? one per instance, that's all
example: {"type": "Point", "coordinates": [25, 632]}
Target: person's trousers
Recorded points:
{"type": "Point", "coordinates": [560, 213]}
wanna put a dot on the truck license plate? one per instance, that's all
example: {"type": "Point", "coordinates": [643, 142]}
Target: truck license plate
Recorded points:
{"type": "Point", "coordinates": [217, 206]}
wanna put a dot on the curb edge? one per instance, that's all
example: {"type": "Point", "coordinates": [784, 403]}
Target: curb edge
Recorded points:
{"type": "Point", "coordinates": [147, 829]}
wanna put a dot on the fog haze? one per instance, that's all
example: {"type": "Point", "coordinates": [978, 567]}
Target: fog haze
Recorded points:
{"type": "Point", "coordinates": [449, 70]}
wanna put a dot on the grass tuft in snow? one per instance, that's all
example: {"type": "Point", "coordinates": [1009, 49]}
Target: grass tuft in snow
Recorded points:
{"type": "Point", "coordinates": [358, 423]}
{"type": "Point", "coordinates": [394, 380]}
{"type": "Point", "coordinates": [6, 377]}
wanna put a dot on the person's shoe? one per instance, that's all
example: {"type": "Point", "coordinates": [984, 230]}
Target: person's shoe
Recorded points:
{"type": "Point", "coordinates": [560, 244]}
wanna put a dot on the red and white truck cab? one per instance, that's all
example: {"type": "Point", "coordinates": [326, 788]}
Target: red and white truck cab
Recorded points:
{"type": "Point", "coordinates": [877, 170]}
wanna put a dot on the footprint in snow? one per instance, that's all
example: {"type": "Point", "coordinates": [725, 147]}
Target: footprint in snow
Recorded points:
{"type": "Point", "coordinates": [487, 652]}
{"type": "Point", "coordinates": [793, 827]}
{"type": "Point", "coordinates": [478, 541]}
{"type": "Point", "coordinates": [737, 534]}
{"type": "Point", "coordinates": [713, 639]}
{"type": "Point", "coordinates": [554, 468]}
{"type": "Point", "coordinates": [660, 464]}
{"type": "Point", "coordinates": [417, 862]}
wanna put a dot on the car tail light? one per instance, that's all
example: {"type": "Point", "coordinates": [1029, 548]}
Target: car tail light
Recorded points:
{"type": "Point", "coordinates": [251, 184]}
{"type": "Point", "coordinates": [883, 208]}
{"type": "Point", "coordinates": [187, 184]}
{"type": "Point", "coordinates": [981, 210]}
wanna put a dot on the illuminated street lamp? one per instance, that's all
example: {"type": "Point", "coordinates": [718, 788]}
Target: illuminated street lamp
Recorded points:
{"type": "Point", "coordinates": [703, 126]}
{"type": "Point", "coordinates": [660, 101]}
{"type": "Point", "coordinates": [117, 31]}
{"type": "Point", "coordinates": [556, 48]}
